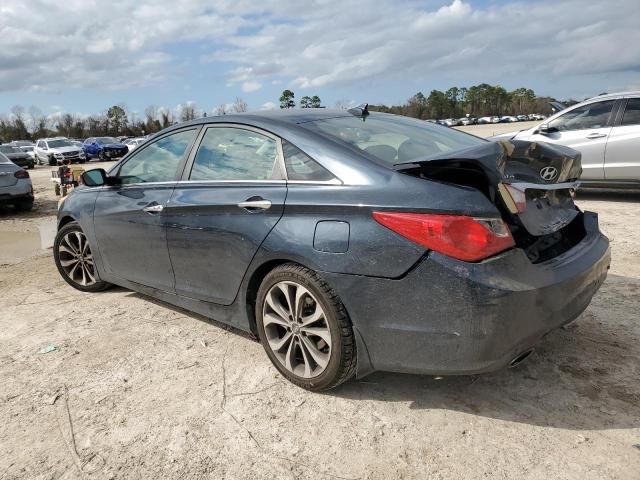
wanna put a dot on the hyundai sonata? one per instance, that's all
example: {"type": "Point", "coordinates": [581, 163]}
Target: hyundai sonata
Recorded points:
{"type": "Point", "coordinates": [346, 241]}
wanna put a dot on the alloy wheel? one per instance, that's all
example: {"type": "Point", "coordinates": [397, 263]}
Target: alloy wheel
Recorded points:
{"type": "Point", "coordinates": [76, 258]}
{"type": "Point", "coordinates": [296, 329]}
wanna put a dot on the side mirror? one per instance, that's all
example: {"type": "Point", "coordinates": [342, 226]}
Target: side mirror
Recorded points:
{"type": "Point", "coordinates": [546, 129]}
{"type": "Point", "coordinates": [94, 178]}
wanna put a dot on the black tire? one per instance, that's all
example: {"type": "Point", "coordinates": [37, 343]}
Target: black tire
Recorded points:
{"type": "Point", "coordinates": [102, 157]}
{"type": "Point", "coordinates": [25, 205]}
{"type": "Point", "coordinates": [341, 365]}
{"type": "Point", "coordinates": [52, 162]}
{"type": "Point", "coordinates": [99, 284]}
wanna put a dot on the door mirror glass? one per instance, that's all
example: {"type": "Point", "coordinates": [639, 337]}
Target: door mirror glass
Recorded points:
{"type": "Point", "coordinates": [545, 129]}
{"type": "Point", "coordinates": [94, 178]}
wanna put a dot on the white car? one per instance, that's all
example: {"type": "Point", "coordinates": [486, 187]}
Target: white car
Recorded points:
{"type": "Point", "coordinates": [54, 151]}
{"type": "Point", "coordinates": [134, 143]}
{"type": "Point", "coordinates": [31, 151]}
{"type": "Point", "coordinates": [605, 129]}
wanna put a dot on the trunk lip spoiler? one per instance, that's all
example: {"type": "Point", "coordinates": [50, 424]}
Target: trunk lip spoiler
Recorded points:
{"type": "Point", "coordinates": [522, 186]}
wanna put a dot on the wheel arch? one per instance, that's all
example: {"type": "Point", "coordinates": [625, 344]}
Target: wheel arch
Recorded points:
{"type": "Point", "coordinates": [65, 220]}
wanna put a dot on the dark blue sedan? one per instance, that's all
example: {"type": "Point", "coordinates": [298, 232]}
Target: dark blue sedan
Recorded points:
{"type": "Point", "coordinates": [104, 148]}
{"type": "Point", "coordinates": [346, 241]}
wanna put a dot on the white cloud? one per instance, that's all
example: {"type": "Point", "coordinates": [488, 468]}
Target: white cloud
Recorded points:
{"type": "Point", "coordinates": [251, 86]}
{"type": "Point", "coordinates": [134, 43]}
{"type": "Point", "coordinates": [268, 106]}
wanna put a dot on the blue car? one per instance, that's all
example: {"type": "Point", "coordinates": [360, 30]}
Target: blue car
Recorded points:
{"type": "Point", "coordinates": [104, 148]}
{"type": "Point", "coordinates": [345, 241]}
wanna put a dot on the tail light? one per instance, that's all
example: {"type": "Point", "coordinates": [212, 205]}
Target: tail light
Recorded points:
{"type": "Point", "coordinates": [458, 236]}
{"type": "Point", "coordinates": [514, 198]}
{"type": "Point", "coordinates": [21, 174]}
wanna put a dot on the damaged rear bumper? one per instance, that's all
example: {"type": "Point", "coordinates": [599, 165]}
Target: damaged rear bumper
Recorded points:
{"type": "Point", "coordinates": [451, 317]}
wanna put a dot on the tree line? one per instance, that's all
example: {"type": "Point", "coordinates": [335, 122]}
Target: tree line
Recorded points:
{"type": "Point", "coordinates": [31, 124]}
{"type": "Point", "coordinates": [476, 101]}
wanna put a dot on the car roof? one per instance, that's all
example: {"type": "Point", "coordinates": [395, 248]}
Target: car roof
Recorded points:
{"type": "Point", "coordinates": [630, 93]}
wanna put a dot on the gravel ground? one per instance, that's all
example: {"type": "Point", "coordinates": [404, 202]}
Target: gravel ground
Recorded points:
{"type": "Point", "coordinates": [138, 389]}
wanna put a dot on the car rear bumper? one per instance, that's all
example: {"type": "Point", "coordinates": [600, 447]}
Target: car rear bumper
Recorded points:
{"type": "Point", "coordinates": [22, 189]}
{"type": "Point", "coordinates": [450, 317]}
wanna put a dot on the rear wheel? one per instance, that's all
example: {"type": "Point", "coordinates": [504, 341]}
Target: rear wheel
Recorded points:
{"type": "Point", "coordinates": [305, 329]}
{"type": "Point", "coordinates": [74, 259]}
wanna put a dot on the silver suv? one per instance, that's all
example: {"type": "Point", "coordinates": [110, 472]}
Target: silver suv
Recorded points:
{"type": "Point", "coordinates": [54, 151]}
{"type": "Point", "coordinates": [605, 129]}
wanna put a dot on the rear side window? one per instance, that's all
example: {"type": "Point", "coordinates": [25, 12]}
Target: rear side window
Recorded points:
{"type": "Point", "coordinates": [632, 112]}
{"type": "Point", "coordinates": [301, 166]}
{"type": "Point", "coordinates": [593, 115]}
{"type": "Point", "coordinates": [228, 153]}
{"type": "Point", "coordinates": [158, 162]}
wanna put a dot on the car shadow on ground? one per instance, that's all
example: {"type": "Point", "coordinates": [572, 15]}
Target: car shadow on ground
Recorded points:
{"type": "Point", "coordinates": [581, 377]}
{"type": "Point", "coordinates": [41, 208]}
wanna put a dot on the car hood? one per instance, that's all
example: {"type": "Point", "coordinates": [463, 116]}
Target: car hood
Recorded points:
{"type": "Point", "coordinates": [504, 136]}
{"type": "Point", "coordinates": [65, 149]}
{"type": "Point", "coordinates": [17, 156]}
{"type": "Point", "coordinates": [114, 145]}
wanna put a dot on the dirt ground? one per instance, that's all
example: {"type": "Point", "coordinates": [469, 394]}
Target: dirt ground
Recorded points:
{"type": "Point", "coordinates": [138, 389]}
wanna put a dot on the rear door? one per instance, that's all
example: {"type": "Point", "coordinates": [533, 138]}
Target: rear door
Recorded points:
{"type": "Point", "coordinates": [231, 196]}
{"type": "Point", "coordinates": [129, 218]}
{"type": "Point", "coordinates": [622, 158]}
{"type": "Point", "coordinates": [586, 129]}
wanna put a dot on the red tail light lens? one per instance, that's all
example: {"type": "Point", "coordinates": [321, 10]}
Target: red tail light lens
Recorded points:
{"type": "Point", "coordinates": [465, 238]}
{"type": "Point", "coordinates": [21, 174]}
{"type": "Point", "coordinates": [515, 198]}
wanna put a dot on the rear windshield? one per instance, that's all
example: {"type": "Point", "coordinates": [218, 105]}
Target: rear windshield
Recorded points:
{"type": "Point", "coordinates": [393, 139]}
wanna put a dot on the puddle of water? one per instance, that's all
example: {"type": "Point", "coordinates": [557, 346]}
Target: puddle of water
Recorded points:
{"type": "Point", "coordinates": [15, 246]}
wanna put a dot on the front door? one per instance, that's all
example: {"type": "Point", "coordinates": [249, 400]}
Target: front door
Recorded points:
{"type": "Point", "coordinates": [586, 129]}
{"type": "Point", "coordinates": [129, 218]}
{"type": "Point", "coordinates": [231, 196]}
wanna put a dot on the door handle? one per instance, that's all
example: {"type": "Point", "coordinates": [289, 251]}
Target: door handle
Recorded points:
{"type": "Point", "coordinates": [153, 208]}
{"type": "Point", "coordinates": [255, 204]}
{"type": "Point", "coordinates": [596, 135]}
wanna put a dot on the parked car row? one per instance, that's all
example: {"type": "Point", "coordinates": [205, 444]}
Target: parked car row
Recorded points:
{"type": "Point", "coordinates": [58, 150]}
{"type": "Point", "coordinates": [457, 122]}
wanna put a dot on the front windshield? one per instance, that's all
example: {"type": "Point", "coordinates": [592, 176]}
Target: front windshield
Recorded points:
{"type": "Point", "coordinates": [9, 149]}
{"type": "Point", "coordinates": [106, 140]}
{"type": "Point", "coordinates": [59, 143]}
{"type": "Point", "coordinates": [393, 139]}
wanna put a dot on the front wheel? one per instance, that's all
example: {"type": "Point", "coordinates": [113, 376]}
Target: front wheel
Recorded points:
{"type": "Point", "coordinates": [304, 328]}
{"type": "Point", "coordinates": [74, 259]}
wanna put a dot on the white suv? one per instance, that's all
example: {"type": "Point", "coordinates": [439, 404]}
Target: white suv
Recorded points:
{"type": "Point", "coordinates": [605, 129]}
{"type": "Point", "coordinates": [54, 151]}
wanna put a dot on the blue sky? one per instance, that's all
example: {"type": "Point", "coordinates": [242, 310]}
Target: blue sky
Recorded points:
{"type": "Point", "coordinates": [67, 58]}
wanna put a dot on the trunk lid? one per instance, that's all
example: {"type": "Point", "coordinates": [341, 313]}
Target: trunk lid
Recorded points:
{"type": "Point", "coordinates": [7, 177]}
{"type": "Point", "coordinates": [531, 183]}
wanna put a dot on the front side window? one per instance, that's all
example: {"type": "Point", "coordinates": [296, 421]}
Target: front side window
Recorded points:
{"type": "Point", "coordinates": [632, 112]}
{"type": "Point", "coordinates": [228, 153]}
{"type": "Point", "coordinates": [301, 166]}
{"type": "Point", "coordinates": [392, 139]}
{"type": "Point", "coordinates": [158, 161]}
{"type": "Point", "coordinates": [593, 115]}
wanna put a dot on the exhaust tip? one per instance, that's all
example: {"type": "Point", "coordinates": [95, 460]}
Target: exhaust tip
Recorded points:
{"type": "Point", "coordinates": [520, 358]}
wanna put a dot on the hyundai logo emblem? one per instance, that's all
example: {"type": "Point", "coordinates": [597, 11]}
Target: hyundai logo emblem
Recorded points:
{"type": "Point", "coordinates": [548, 174]}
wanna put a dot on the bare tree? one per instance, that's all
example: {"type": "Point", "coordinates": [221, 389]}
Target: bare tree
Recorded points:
{"type": "Point", "coordinates": [239, 105]}
{"type": "Point", "coordinates": [343, 104]}
{"type": "Point", "coordinates": [221, 109]}
{"type": "Point", "coordinates": [187, 111]}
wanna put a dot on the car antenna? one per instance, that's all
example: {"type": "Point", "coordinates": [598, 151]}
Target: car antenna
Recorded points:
{"type": "Point", "coordinates": [361, 111]}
